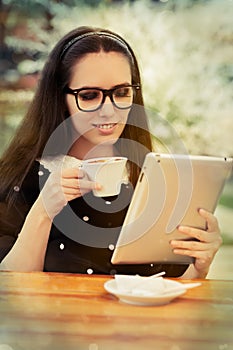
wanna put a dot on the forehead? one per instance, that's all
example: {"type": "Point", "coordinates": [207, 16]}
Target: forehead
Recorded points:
{"type": "Point", "coordinates": [102, 69]}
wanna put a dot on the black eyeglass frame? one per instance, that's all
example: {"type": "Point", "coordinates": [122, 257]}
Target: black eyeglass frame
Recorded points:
{"type": "Point", "coordinates": [106, 93]}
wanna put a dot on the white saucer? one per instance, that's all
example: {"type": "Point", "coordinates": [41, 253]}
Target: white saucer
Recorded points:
{"type": "Point", "coordinates": [129, 298]}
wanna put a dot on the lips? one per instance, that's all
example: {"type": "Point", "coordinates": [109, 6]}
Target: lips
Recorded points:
{"type": "Point", "coordinates": [105, 126]}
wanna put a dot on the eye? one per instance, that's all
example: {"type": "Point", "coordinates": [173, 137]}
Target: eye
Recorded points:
{"type": "Point", "coordinates": [89, 95]}
{"type": "Point", "coordinates": [124, 91]}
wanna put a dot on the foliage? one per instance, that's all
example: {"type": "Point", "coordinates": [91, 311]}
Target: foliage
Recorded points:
{"type": "Point", "coordinates": [184, 49]}
{"type": "Point", "coordinates": [227, 196]}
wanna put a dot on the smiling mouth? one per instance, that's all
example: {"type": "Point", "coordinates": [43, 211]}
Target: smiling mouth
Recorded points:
{"type": "Point", "coordinates": [105, 126]}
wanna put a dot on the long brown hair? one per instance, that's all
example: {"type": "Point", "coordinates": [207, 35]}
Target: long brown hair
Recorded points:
{"type": "Point", "coordinates": [48, 108]}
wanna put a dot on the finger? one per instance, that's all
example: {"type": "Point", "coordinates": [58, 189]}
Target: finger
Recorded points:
{"type": "Point", "coordinates": [185, 252]}
{"type": "Point", "coordinates": [73, 173]}
{"type": "Point", "coordinates": [201, 256]}
{"type": "Point", "coordinates": [200, 235]}
{"type": "Point", "coordinates": [72, 191]}
{"type": "Point", "coordinates": [198, 250]}
{"type": "Point", "coordinates": [89, 185]}
{"type": "Point", "coordinates": [73, 194]}
{"type": "Point", "coordinates": [70, 183]}
{"type": "Point", "coordinates": [188, 245]}
{"type": "Point", "coordinates": [194, 233]}
{"type": "Point", "coordinates": [212, 222]}
{"type": "Point", "coordinates": [79, 182]}
{"type": "Point", "coordinates": [79, 188]}
{"type": "Point", "coordinates": [70, 173]}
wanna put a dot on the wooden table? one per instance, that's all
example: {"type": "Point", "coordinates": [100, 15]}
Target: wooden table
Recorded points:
{"type": "Point", "coordinates": [64, 311]}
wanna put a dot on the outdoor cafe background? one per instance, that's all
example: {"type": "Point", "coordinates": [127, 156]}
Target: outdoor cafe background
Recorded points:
{"type": "Point", "coordinates": [185, 53]}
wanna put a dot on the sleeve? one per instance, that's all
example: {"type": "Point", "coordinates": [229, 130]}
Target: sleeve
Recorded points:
{"type": "Point", "coordinates": [12, 217]}
{"type": "Point", "coordinates": [11, 221]}
{"type": "Point", "coordinates": [6, 243]}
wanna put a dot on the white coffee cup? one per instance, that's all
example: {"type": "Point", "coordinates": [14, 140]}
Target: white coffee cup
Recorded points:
{"type": "Point", "coordinates": [108, 172]}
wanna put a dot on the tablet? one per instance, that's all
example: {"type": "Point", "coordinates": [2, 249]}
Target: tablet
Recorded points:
{"type": "Point", "coordinates": [169, 191]}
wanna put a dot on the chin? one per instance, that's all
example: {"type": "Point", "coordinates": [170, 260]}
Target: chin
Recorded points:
{"type": "Point", "coordinates": [107, 141]}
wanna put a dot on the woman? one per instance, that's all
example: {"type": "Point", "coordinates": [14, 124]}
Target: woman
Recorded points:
{"type": "Point", "coordinates": [91, 75]}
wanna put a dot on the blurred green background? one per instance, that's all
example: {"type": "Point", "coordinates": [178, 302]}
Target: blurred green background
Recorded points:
{"type": "Point", "coordinates": [184, 48]}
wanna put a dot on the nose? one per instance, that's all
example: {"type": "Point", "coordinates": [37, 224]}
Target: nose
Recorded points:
{"type": "Point", "coordinates": [107, 108]}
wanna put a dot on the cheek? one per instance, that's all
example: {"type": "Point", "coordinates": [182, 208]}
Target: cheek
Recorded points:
{"type": "Point", "coordinates": [71, 104]}
{"type": "Point", "coordinates": [123, 116]}
{"type": "Point", "coordinates": [80, 124]}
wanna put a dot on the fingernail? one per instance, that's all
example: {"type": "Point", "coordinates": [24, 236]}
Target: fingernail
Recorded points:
{"type": "Point", "coordinates": [98, 186]}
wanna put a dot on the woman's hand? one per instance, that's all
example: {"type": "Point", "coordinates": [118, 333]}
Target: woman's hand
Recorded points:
{"type": "Point", "coordinates": [62, 187]}
{"type": "Point", "coordinates": [205, 248]}
{"type": "Point", "coordinates": [75, 183]}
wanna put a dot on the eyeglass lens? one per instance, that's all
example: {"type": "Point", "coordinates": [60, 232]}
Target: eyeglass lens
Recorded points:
{"type": "Point", "coordinates": [91, 99]}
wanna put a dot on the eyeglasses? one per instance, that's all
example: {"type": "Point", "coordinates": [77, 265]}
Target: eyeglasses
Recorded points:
{"type": "Point", "coordinates": [92, 99]}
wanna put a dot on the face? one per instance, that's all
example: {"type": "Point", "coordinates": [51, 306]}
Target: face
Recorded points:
{"type": "Point", "coordinates": [104, 126]}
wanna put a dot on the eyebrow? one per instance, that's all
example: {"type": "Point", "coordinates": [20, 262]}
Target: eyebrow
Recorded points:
{"type": "Point", "coordinates": [98, 87]}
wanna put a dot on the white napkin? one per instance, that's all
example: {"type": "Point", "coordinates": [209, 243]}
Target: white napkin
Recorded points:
{"type": "Point", "coordinates": [150, 286]}
{"type": "Point", "coordinates": [138, 285]}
